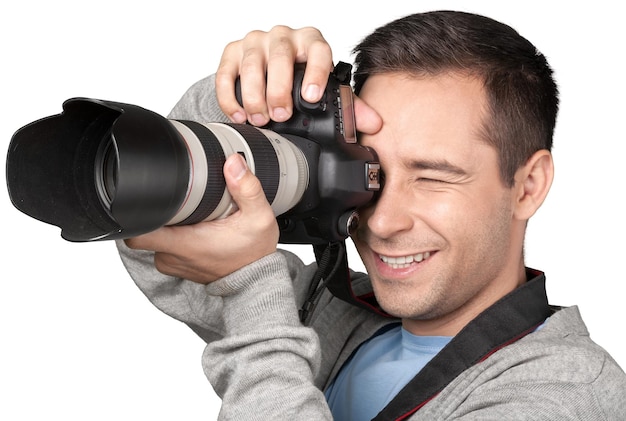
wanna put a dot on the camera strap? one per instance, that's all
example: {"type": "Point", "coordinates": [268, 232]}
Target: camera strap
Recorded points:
{"type": "Point", "coordinates": [333, 273]}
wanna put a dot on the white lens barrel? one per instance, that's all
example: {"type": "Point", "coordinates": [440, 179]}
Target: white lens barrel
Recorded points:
{"type": "Point", "coordinates": [197, 176]}
{"type": "Point", "coordinates": [292, 171]}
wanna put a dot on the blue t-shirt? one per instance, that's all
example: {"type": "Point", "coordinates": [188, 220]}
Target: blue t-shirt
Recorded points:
{"type": "Point", "coordinates": [379, 369]}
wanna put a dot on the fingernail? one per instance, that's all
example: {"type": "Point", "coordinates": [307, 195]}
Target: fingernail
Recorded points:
{"type": "Point", "coordinates": [312, 93]}
{"type": "Point", "coordinates": [237, 167]}
{"type": "Point", "coordinates": [238, 117]}
{"type": "Point", "coordinates": [280, 114]}
{"type": "Point", "coordinates": [258, 119]}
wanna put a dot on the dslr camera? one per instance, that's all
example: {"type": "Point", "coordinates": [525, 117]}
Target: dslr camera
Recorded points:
{"type": "Point", "coordinates": [105, 170]}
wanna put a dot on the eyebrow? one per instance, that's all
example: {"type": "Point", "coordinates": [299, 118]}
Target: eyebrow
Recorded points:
{"type": "Point", "coordinates": [436, 165]}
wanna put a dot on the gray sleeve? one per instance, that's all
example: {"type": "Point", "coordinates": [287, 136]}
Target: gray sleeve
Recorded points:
{"type": "Point", "coordinates": [199, 103]}
{"type": "Point", "coordinates": [189, 302]}
{"type": "Point", "coordinates": [181, 299]}
{"type": "Point", "coordinates": [260, 359]}
{"type": "Point", "coordinates": [265, 366]}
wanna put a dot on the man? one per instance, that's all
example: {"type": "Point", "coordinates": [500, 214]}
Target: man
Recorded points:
{"type": "Point", "coordinates": [460, 110]}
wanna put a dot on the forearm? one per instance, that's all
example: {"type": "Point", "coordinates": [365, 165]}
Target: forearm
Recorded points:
{"type": "Point", "coordinates": [181, 299]}
{"type": "Point", "coordinates": [265, 366]}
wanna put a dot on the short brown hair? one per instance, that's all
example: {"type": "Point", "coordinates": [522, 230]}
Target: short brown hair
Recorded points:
{"type": "Point", "coordinates": [522, 94]}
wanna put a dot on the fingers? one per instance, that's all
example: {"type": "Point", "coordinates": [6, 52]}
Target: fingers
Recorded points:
{"type": "Point", "coordinates": [225, 77]}
{"type": "Point", "coordinates": [308, 46]}
{"type": "Point", "coordinates": [264, 62]}
{"type": "Point", "coordinates": [316, 52]}
{"type": "Point", "coordinates": [162, 240]}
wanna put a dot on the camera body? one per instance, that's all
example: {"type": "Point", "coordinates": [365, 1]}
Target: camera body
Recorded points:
{"type": "Point", "coordinates": [104, 170]}
{"type": "Point", "coordinates": [343, 174]}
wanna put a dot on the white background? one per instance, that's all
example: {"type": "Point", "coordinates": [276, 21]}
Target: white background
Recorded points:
{"type": "Point", "coordinates": [79, 341]}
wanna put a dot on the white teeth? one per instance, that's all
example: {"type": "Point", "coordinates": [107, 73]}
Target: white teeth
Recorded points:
{"type": "Point", "coordinates": [404, 261]}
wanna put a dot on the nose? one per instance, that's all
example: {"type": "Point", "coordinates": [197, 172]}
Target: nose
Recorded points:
{"type": "Point", "coordinates": [390, 214]}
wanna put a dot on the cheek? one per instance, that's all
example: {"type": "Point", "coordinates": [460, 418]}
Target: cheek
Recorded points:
{"type": "Point", "coordinates": [445, 213]}
{"type": "Point", "coordinates": [486, 229]}
{"type": "Point", "coordinates": [466, 222]}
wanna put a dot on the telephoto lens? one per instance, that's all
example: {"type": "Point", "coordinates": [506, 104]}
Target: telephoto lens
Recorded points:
{"type": "Point", "coordinates": [103, 169]}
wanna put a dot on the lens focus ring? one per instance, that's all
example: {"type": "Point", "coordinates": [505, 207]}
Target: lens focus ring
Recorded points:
{"type": "Point", "coordinates": [216, 184]}
{"type": "Point", "coordinates": [266, 166]}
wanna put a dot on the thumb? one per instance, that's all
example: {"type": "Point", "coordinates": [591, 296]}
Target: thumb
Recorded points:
{"type": "Point", "coordinates": [244, 187]}
{"type": "Point", "coordinates": [368, 121]}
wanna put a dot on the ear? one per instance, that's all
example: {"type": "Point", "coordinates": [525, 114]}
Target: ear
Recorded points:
{"type": "Point", "coordinates": [532, 183]}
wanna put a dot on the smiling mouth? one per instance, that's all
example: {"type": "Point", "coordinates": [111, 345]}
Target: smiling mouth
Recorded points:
{"type": "Point", "coordinates": [403, 262]}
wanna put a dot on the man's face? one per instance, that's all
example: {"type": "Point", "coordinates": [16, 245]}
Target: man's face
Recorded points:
{"type": "Point", "coordinates": [439, 244]}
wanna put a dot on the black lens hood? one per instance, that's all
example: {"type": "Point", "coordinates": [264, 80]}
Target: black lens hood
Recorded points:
{"type": "Point", "coordinates": [53, 166]}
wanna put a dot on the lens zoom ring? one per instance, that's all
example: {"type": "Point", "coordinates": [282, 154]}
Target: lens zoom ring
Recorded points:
{"type": "Point", "coordinates": [216, 185]}
{"type": "Point", "coordinates": [265, 161]}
